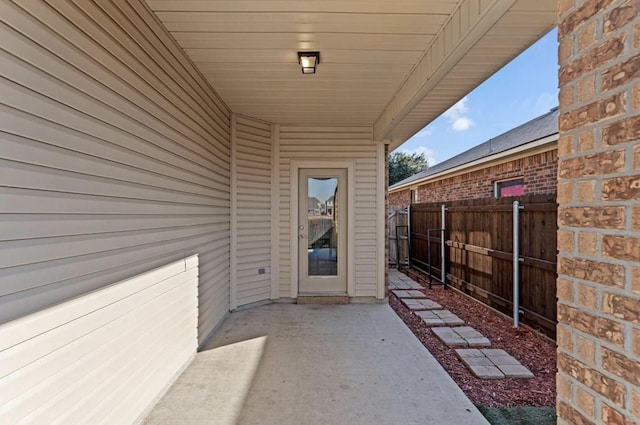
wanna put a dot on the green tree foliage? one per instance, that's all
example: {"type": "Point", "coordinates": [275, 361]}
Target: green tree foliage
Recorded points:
{"type": "Point", "coordinates": [403, 165]}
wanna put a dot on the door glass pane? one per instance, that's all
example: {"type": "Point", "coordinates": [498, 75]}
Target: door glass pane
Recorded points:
{"type": "Point", "coordinates": [322, 226]}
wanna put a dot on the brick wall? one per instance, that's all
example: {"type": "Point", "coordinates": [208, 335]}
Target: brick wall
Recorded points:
{"type": "Point", "coordinates": [599, 216]}
{"type": "Point", "coordinates": [539, 172]}
{"type": "Point", "coordinates": [400, 199]}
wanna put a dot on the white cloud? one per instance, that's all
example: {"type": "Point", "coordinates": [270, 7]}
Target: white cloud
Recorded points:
{"type": "Point", "coordinates": [456, 115]}
{"type": "Point", "coordinates": [462, 124]}
{"type": "Point", "coordinates": [428, 153]}
{"type": "Point", "coordinates": [545, 102]}
{"type": "Point", "coordinates": [425, 132]}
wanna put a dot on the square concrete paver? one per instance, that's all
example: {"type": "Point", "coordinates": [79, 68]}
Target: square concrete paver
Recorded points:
{"type": "Point", "coordinates": [486, 372]}
{"type": "Point", "coordinates": [421, 304]}
{"type": "Point", "coordinates": [439, 318]}
{"type": "Point", "coordinates": [515, 371]}
{"type": "Point", "coordinates": [491, 363]}
{"type": "Point", "coordinates": [409, 294]}
{"type": "Point", "coordinates": [463, 336]}
{"type": "Point", "coordinates": [449, 337]}
{"type": "Point", "coordinates": [314, 365]}
{"type": "Point", "coordinates": [399, 280]}
{"type": "Point", "coordinates": [401, 284]}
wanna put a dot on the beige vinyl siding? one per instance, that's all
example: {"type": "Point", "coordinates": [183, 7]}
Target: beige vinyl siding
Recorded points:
{"type": "Point", "coordinates": [82, 361]}
{"type": "Point", "coordinates": [337, 144]}
{"type": "Point", "coordinates": [253, 215]}
{"type": "Point", "coordinates": [114, 156]}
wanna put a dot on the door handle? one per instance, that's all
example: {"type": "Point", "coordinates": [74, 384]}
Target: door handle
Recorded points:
{"type": "Point", "coordinates": [301, 236]}
{"type": "Point", "coordinates": [301, 227]}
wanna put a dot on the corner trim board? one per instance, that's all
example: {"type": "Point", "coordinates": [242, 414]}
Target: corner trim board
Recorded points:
{"type": "Point", "coordinates": [233, 238]}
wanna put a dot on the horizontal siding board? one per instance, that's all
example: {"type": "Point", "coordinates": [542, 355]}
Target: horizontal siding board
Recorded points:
{"type": "Point", "coordinates": [116, 150]}
{"type": "Point", "coordinates": [79, 353]}
{"type": "Point", "coordinates": [133, 24]}
{"type": "Point", "coordinates": [106, 125]}
{"type": "Point", "coordinates": [33, 226]}
{"type": "Point", "coordinates": [253, 201]}
{"type": "Point", "coordinates": [69, 359]}
{"type": "Point", "coordinates": [18, 200]}
{"type": "Point", "coordinates": [91, 109]}
{"type": "Point", "coordinates": [20, 149]}
{"type": "Point", "coordinates": [170, 47]}
{"type": "Point", "coordinates": [52, 282]}
{"type": "Point", "coordinates": [16, 253]}
{"type": "Point", "coordinates": [255, 298]}
{"type": "Point", "coordinates": [34, 348]}
{"type": "Point", "coordinates": [61, 366]}
{"type": "Point", "coordinates": [140, 70]}
{"type": "Point", "coordinates": [26, 176]}
{"type": "Point", "coordinates": [96, 62]}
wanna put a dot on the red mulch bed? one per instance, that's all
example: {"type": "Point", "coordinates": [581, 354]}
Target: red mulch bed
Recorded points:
{"type": "Point", "coordinates": [534, 352]}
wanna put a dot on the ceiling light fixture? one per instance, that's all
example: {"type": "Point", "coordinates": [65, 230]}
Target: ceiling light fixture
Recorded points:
{"type": "Point", "coordinates": [308, 61]}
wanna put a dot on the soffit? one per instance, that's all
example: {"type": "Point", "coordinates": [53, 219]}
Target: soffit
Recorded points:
{"type": "Point", "coordinates": [522, 25]}
{"type": "Point", "coordinates": [247, 49]}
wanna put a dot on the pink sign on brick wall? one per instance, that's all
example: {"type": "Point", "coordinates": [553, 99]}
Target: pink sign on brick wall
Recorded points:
{"type": "Point", "coordinates": [515, 190]}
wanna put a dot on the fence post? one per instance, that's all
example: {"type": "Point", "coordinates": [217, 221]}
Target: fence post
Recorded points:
{"type": "Point", "coordinates": [409, 236]}
{"type": "Point", "coordinates": [516, 263]}
{"type": "Point", "coordinates": [442, 247]}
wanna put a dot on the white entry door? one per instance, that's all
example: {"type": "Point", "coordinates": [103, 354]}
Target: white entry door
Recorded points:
{"type": "Point", "coordinates": [322, 231]}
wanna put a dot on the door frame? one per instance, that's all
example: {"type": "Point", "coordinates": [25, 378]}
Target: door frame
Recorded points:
{"type": "Point", "coordinates": [293, 218]}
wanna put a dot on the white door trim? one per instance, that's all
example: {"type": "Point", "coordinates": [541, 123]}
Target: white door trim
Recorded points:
{"type": "Point", "coordinates": [295, 167]}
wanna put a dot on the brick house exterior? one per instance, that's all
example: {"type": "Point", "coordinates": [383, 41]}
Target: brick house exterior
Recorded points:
{"type": "Point", "coordinates": [599, 213]}
{"type": "Point", "coordinates": [539, 172]}
{"type": "Point", "coordinates": [530, 156]}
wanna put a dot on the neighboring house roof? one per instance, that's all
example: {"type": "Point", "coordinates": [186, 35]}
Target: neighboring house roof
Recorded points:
{"type": "Point", "coordinates": [313, 203]}
{"type": "Point", "coordinates": [532, 131]}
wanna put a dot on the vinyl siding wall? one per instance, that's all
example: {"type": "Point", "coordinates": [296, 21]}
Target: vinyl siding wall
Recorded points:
{"type": "Point", "coordinates": [114, 156]}
{"type": "Point", "coordinates": [324, 144]}
{"type": "Point", "coordinates": [74, 362]}
{"type": "Point", "coordinates": [252, 208]}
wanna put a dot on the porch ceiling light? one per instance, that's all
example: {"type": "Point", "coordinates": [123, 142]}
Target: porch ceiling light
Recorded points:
{"type": "Point", "coordinates": [308, 61]}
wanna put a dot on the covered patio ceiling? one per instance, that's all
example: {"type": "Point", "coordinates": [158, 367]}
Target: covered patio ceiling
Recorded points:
{"type": "Point", "coordinates": [394, 65]}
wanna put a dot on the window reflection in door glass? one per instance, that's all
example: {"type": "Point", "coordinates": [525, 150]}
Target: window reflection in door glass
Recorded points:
{"type": "Point", "coordinates": [322, 226]}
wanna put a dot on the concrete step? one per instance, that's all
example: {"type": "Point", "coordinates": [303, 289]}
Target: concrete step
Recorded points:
{"type": "Point", "coordinates": [324, 299]}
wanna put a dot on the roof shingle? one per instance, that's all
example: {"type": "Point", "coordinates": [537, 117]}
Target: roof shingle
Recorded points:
{"type": "Point", "coordinates": [536, 129]}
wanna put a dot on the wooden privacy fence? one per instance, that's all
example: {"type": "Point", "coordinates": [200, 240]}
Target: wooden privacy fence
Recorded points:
{"type": "Point", "coordinates": [398, 236]}
{"type": "Point", "coordinates": [479, 252]}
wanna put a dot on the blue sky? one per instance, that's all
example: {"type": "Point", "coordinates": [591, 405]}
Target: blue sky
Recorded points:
{"type": "Point", "coordinates": [524, 89]}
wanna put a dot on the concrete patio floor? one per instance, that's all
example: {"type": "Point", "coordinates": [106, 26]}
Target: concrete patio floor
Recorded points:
{"type": "Point", "coordinates": [314, 364]}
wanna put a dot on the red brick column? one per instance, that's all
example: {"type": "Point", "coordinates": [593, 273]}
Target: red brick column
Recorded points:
{"type": "Point", "coordinates": [599, 215]}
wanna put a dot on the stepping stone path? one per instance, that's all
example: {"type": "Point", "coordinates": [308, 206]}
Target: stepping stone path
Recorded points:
{"type": "Point", "coordinates": [492, 364]}
{"type": "Point", "coordinates": [439, 318]}
{"type": "Point", "coordinates": [484, 363]}
{"type": "Point", "coordinates": [412, 293]}
{"type": "Point", "coordinates": [463, 336]}
{"type": "Point", "coordinates": [422, 304]}
{"type": "Point", "coordinates": [399, 280]}
{"type": "Point", "coordinates": [404, 285]}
